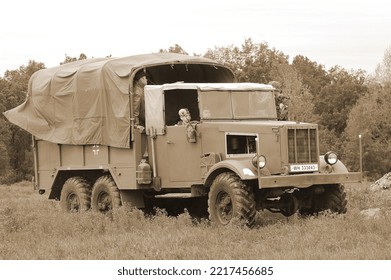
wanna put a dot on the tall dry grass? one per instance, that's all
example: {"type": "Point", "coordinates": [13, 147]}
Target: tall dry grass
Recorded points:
{"type": "Point", "coordinates": [32, 227]}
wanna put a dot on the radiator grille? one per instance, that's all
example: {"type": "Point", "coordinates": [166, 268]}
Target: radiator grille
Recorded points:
{"type": "Point", "coordinates": [302, 145]}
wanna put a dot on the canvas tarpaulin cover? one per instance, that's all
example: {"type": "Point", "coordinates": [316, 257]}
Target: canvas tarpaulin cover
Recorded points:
{"type": "Point", "coordinates": [76, 103]}
{"type": "Point", "coordinates": [85, 102]}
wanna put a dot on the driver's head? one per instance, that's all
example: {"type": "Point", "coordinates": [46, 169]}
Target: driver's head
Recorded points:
{"type": "Point", "coordinates": [184, 114]}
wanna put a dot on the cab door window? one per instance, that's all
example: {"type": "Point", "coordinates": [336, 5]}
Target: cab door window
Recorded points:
{"type": "Point", "coordinates": [177, 99]}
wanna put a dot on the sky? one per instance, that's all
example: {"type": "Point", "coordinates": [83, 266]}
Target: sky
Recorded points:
{"type": "Point", "coordinates": [351, 34]}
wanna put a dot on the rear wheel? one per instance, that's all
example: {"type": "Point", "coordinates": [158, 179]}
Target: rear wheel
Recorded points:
{"type": "Point", "coordinates": [332, 199]}
{"type": "Point", "coordinates": [230, 200]}
{"type": "Point", "coordinates": [75, 195]}
{"type": "Point", "coordinates": [105, 195]}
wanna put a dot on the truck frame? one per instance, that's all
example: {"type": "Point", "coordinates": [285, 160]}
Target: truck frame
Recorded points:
{"type": "Point", "coordinates": [204, 136]}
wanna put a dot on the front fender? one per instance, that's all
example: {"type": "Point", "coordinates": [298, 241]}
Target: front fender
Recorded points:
{"type": "Point", "coordinates": [339, 167]}
{"type": "Point", "coordinates": [243, 168]}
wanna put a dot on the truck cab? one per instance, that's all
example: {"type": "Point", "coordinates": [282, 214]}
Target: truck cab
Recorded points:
{"type": "Point", "coordinates": [233, 139]}
{"type": "Point", "coordinates": [224, 124]}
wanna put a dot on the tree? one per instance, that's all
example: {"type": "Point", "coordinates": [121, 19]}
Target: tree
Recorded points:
{"type": "Point", "coordinates": [4, 157]}
{"type": "Point", "coordinates": [300, 101]}
{"type": "Point", "coordinates": [335, 100]}
{"type": "Point", "coordinates": [250, 63]}
{"type": "Point", "coordinates": [383, 70]}
{"type": "Point", "coordinates": [174, 49]}
{"type": "Point", "coordinates": [259, 61]}
{"type": "Point", "coordinates": [68, 58]}
{"type": "Point", "coordinates": [229, 56]}
{"type": "Point", "coordinates": [15, 141]}
{"type": "Point", "coordinates": [313, 75]}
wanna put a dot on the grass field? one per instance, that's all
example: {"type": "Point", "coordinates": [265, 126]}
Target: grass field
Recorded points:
{"type": "Point", "coordinates": [33, 227]}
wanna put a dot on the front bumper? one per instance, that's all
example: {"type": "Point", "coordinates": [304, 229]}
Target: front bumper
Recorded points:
{"type": "Point", "coordinates": [307, 180]}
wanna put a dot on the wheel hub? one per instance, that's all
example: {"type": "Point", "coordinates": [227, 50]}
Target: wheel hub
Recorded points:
{"type": "Point", "coordinates": [224, 208]}
{"type": "Point", "coordinates": [73, 202]}
{"type": "Point", "coordinates": [104, 202]}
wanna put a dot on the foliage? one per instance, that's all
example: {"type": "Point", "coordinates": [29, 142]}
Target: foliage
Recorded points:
{"type": "Point", "coordinates": [335, 100]}
{"type": "Point", "coordinates": [16, 142]}
{"type": "Point", "coordinates": [371, 118]}
{"type": "Point", "coordinates": [383, 70]}
{"type": "Point", "coordinates": [68, 58]}
{"type": "Point", "coordinates": [312, 74]}
{"type": "Point", "coordinates": [250, 63]}
{"type": "Point", "coordinates": [300, 100]}
{"type": "Point", "coordinates": [174, 49]}
{"type": "Point", "coordinates": [4, 139]}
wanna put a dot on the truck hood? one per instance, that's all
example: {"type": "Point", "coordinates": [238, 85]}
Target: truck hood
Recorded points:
{"type": "Point", "coordinates": [254, 126]}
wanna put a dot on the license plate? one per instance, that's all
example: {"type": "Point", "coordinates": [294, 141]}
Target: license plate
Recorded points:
{"type": "Point", "coordinates": [304, 167]}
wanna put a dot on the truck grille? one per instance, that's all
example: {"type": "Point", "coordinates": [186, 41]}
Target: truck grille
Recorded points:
{"type": "Point", "coordinates": [302, 145]}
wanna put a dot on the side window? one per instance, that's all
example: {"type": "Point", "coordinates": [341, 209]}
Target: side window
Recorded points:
{"type": "Point", "coordinates": [177, 99]}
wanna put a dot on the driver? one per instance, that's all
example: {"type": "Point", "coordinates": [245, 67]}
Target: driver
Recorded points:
{"type": "Point", "coordinates": [185, 117]}
{"type": "Point", "coordinates": [138, 99]}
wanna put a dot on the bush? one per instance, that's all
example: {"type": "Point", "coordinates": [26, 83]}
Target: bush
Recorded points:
{"type": "Point", "coordinates": [11, 177]}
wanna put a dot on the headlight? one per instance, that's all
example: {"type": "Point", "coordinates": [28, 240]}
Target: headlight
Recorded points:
{"type": "Point", "coordinates": [259, 161]}
{"type": "Point", "coordinates": [331, 158]}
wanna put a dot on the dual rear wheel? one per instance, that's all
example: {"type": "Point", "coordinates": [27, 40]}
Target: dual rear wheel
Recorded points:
{"type": "Point", "coordinates": [77, 195]}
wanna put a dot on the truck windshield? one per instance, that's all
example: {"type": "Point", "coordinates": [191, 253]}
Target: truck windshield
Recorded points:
{"type": "Point", "coordinates": [237, 105]}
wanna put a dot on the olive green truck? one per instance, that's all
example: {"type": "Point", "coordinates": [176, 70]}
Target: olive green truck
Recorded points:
{"type": "Point", "coordinates": [204, 136]}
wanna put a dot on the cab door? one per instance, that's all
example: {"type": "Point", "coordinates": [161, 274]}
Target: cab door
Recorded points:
{"type": "Point", "coordinates": [178, 161]}
{"type": "Point", "coordinates": [183, 157]}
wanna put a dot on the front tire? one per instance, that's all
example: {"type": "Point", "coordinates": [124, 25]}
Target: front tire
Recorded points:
{"type": "Point", "coordinates": [335, 199]}
{"type": "Point", "coordinates": [230, 201]}
{"type": "Point", "coordinates": [332, 199]}
{"type": "Point", "coordinates": [75, 195]}
{"type": "Point", "coordinates": [105, 195]}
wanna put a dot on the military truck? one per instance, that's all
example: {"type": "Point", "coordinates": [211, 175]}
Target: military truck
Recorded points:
{"type": "Point", "coordinates": [204, 136]}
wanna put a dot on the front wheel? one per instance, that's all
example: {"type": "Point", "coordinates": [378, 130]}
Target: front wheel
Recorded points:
{"type": "Point", "coordinates": [332, 199]}
{"type": "Point", "coordinates": [105, 195]}
{"type": "Point", "coordinates": [230, 200]}
{"type": "Point", "coordinates": [75, 195]}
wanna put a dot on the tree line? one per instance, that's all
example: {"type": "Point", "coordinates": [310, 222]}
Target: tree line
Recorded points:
{"type": "Point", "coordinates": [345, 103]}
